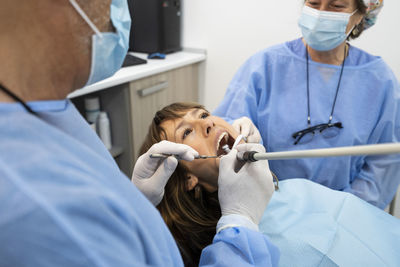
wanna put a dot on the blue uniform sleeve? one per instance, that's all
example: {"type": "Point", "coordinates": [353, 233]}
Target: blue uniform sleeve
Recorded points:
{"type": "Point", "coordinates": [80, 224]}
{"type": "Point", "coordinates": [379, 177]}
{"type": "Point", "coordinates": [239, 246]}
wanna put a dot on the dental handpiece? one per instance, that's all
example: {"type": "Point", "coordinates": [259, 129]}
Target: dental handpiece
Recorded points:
{"type": "Point", "coordinates": [376, 149]}
{"type": "Point", "coordinates": [252, 156]}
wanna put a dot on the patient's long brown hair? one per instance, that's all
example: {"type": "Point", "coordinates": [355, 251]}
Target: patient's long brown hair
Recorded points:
{"type": "Point", "coordinates": [191, 216]}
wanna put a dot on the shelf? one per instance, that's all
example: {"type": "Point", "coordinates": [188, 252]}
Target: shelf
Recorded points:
{"type": "Point", "coordinates": [133, 73]}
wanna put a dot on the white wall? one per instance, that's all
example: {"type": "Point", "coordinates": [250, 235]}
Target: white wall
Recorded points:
{"type": "Point", "coordinates": [233, 30]}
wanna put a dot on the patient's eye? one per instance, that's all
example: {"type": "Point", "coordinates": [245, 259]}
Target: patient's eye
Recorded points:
{"type": "Point", "coordinates": [204, 115]}
{"type": "Point", "coordinates": [187, 132]}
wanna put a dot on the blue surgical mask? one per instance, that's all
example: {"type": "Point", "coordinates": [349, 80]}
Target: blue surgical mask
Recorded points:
{"type": "Point", "coordinates": [108, 49]}
{"type": "Point", "coordinates": [324, 30]}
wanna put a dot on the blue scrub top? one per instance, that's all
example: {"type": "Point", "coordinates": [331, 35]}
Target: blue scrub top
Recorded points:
{"type": "Point", "coordinates": [271, 89]}
{"type": "Point", "coordinates": [64, 201]}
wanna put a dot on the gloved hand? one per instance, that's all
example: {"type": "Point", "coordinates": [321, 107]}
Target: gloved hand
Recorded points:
{"type": "Point", "coordinates": [245, 127]}
{"type": "Point", "coordinates": [245, 192]}
{"type": "Point", "coordinates": [151, 175]}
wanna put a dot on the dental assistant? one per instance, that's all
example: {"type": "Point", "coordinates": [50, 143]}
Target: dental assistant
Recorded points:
{"type": "Point", "coordinates": [318, 91]}
{"type": "Point", "coordinates": [63, 199]}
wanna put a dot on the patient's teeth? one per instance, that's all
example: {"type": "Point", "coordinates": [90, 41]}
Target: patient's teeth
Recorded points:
{"type": "Point", "coordinates": [226, 148]}
{"type": "Point", "coordinates": [223, 135]}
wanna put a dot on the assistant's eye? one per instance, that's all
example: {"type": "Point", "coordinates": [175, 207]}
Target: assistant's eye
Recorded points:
{"type": "Point", "coordinates": [204, 115]}
{"type": "Point", "coordinates": [338, 6]}
{"type": "Point", "coordinates": [186, 133]}
{"type": "Point", "coordinates": [312, 3]}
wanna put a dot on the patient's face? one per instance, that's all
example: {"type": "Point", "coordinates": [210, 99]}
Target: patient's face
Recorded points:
{"type": "Point", "coordinates": [206, 134]}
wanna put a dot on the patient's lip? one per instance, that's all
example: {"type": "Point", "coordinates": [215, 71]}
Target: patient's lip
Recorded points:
{"type": "Point", "coordinates": [218, 134]}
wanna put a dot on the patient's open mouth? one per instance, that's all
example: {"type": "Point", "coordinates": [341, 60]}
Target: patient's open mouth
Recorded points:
{"type": "Point", "coordinates": [224, 140]}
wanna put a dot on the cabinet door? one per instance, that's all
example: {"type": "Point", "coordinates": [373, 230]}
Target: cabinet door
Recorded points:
{"type": "Point", "coordinates": [150, 94]}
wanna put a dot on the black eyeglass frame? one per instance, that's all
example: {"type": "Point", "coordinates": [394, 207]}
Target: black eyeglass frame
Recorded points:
{"type": "Point", "coordinates": [321, 127]}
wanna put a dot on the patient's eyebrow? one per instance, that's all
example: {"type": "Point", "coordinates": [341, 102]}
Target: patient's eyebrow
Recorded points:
{"type": "Point", "coordinates": [191, 113]}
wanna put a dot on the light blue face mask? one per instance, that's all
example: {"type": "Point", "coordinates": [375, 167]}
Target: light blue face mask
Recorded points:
{"type": "Point", "coordinates": [108, 49]}
{"type": "Point", "coordinates": [324, 30]}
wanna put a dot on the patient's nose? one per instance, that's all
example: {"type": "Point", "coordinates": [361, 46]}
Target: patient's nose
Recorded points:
{"type": "Point", "coordinates": [207, 126]}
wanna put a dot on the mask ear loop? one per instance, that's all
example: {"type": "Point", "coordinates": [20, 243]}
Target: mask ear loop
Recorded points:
{"type": "Point", "coordinates": [354, 27]}
{"type": "Point", "coordinates": [354, 12]}
{"type": "Point", "coordinates": [86, 18]}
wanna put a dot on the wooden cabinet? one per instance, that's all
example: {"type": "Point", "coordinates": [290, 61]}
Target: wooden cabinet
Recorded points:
{"type": "Point", "coordinates": [131, 107]}
{"type": "Point", "coordinates": [150, 94]}
{"type": "Point", "coordinates": [116, 102]}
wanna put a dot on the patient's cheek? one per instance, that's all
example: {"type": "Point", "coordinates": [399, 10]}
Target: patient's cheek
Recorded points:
{"type": "Point", "coordinates": [205, 169]}
{"type": "Point", "coordinates": [194, 167]}
{"type": "Point", "coordinates": [221, 122]}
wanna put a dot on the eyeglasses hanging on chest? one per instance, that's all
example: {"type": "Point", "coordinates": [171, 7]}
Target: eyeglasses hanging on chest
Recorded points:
{"type": "Point", "coordinates": [327, 130]}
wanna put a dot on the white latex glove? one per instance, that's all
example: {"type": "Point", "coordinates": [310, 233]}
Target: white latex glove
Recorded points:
{"type": "Point", "coordinates": [245, 127]}
{"type": "Point", "coordinates": [151, 175]}
{"type": "Point", "coordinates": [247, 191]}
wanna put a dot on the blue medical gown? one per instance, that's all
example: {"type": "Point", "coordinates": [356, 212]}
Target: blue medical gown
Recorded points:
{"type": "Point", "coordinates": [270, 88]}
{"type": "Point", "coordinates": [64, 201]}
{"type": "Point", "coordinates": [313, 225]}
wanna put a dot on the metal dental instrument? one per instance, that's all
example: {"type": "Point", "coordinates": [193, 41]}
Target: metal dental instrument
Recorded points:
{"type": "Point", "coordinates": [237, 141]}
{"type": "Point", "coordinates": [163, 156]}
{"type": "Point", "coordinates": [225, 148]}
{"type": "Point", "coordinates": [377, 149]}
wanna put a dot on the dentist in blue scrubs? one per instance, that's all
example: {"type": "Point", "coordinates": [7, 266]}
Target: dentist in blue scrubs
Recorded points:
{"type": "Point", "coordinates": [318, 91]}
{"type": "Point", "coordinates": [63, 199]}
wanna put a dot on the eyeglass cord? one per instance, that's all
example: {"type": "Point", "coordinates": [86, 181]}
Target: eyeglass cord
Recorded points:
{"type": "Point", "coordinates": [16, 98]}
{"type": "Point", "coordinates": [337, 89]}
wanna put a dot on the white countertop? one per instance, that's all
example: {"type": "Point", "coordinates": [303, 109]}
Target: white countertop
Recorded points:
{"type": "Point", "coordinates": [153, 66]}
